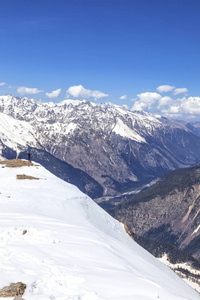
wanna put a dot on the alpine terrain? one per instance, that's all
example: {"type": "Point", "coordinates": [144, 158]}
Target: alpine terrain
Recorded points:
{"type": "Point", "coordinates": [61, 245]}
{"type": "Point", "coordinates": [117, 150]}
{"type": "Point", "coordinates": [168, 212]}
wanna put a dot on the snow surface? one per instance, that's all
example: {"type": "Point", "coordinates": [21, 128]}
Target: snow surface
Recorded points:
{"type": "Point", "coordinates": [196, 230]}
{"type": "Point", "coordinates": [122, 129]}
{"type": "Point", "coordinates": [72, 248]}
{"type": "Point", "coordinates": [14, 132]}
{"type": "Point", "coordinates": [192, 282]}
{"type": "Point", "coordinates": [70, 101]}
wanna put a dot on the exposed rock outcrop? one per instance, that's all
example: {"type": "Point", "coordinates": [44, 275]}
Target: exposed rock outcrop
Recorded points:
{"type": "Point", "coordinates": [14, 289]}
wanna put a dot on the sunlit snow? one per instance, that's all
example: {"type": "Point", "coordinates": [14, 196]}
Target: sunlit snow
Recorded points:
{"type": "Point", "coordinates": [123, 130]}
{"type": "Point", "coordinates": [64, 246]}
{"type": "Point", "coordinates": [14, 132]}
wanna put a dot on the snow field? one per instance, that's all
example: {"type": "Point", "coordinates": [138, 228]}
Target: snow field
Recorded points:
{"type": "Point", "coordinates": [63, 246]}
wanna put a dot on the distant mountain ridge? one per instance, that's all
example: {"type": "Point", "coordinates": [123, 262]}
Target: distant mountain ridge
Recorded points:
{"type": "Point", "coordinates": [120, 149]}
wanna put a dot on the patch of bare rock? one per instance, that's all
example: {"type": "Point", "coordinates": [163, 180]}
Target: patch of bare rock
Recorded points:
{"type": "Point", "coordinates": [13, 290]}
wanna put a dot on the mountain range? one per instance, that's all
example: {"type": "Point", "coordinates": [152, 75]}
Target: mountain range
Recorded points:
{"type": "Point", "coordinates": [118, 150]}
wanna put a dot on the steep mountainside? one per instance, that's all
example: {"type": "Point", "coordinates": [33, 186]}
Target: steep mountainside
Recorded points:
{"type": "Point", "coordinates": [182, 263]}
{"type": "Point", "coordinates": [119, 149]}
{"type": "Point", "coordinates": [62, 245]}
{"type": "Point", "coordinates": [15, 136]}
{"type": "Point", "coordinates": [169, 211]}
{"type": "Point", "coordinates": [165, 220]}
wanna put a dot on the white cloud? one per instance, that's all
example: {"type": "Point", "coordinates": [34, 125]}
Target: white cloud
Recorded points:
{"type": "Point", "coordinates": [54, 94]}
{"type": "Point", "coordinates": [123, 97]}
{"type": "Point", "coordinates": [172, 115]}
{"type": "Point", "coordinates": [190, 105]}
{"type": "Point", "coordinates": [149, 97]}
{"type": "Point", "coordinates": [22, 90]}
{"type": "Point", "coordinates": [165, 88]}
{"type": "Point", "coordinates": [180, 91]}
{"type": "Point", "coordinates": [184, 106]}
{"type": "Point", "coordinates": [146, 100]}
{"type": "Point", "coordinates": [139, 106]}
{"type": "Point", "coordinates": [2, 83]}
{"type": "Point", "coordinates": [174, 109]}
{"type": "Point", "coordinates": [78, 91]}
{"type": "Point", "coordinates": [165, 101]}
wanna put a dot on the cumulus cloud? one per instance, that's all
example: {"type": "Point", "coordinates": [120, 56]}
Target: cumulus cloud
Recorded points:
{"type": "Point", "coordinates": [180, 91]}
{"type": "Point", "coordinates": [22, 90]}
{"type": "Point", "coordinates": [2, 83]}
{"type": "Point", "coordinates": [54, 94]}
{"type": "Point", "coordinates": [138, 106]}
{"type": "Point", "coordinates": [149, 97]}
{"type": "Point", "coordinates": [165, 101]}
{"type": "Point", "coordinates": [165, 88]}
{"type": "Point", "coordinates": [184, 106]}
{"type": "Point", "coordinates": [123, 97]}
{"type": "Point", "coordinates": [173, 107]}
{"type": "Point", "coordinates": [190, 105]}
{"type": "Point", "coordinates": [78, 91]}
{"type": "Point", "coordinates": [146, 100]}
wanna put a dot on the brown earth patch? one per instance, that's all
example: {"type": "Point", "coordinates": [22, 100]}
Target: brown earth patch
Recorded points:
{"type": "Point", "coordinates": [23, 176]}
{"type": "Point", "coordinates": [16, 163]}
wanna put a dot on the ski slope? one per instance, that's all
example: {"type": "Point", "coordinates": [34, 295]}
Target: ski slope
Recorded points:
{"type": "Point", "coordinates": [63, 246]}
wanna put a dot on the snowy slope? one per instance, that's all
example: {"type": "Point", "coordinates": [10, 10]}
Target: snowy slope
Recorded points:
{"type": "Point", "coordinates": [16, 134]}
{"type": "Point", "coordinates": [72, 248]}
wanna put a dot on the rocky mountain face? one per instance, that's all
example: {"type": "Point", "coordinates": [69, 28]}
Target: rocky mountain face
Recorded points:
{"type": "Point", "coordinates": [14, 141]}
{"type": "Point", "coordinates": [165, 220]}
{"type": "Point", "coordinates": [119, 149]}
{"type": "Point", "coordinates": [65, 171]}
{"type": "Point", "coordinates": [168, 211]}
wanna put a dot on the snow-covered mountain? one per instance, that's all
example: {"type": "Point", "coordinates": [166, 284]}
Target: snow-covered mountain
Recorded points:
{"type": "Point", "coordinates": [17, 138]}
{"type": "Point", "coordinates": [58, 242]}
{"type": "Point", "coordinates": [121, 150]}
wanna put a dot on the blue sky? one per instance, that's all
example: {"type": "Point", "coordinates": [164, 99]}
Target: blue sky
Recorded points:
{"type": "Point", "coordinates": [104, 50]}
